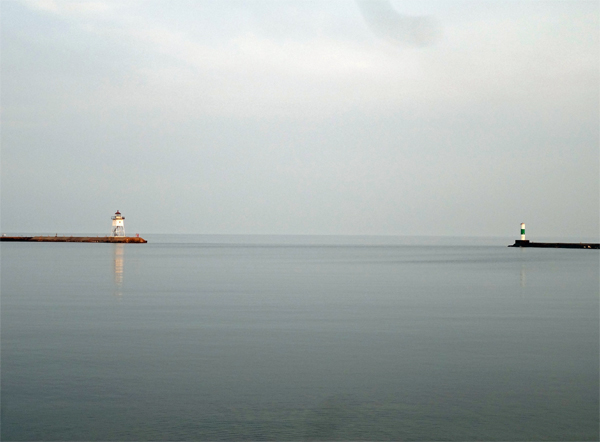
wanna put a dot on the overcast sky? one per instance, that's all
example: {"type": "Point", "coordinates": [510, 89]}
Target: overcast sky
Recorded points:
{"type": "Point", "coordinates": [301, 117]}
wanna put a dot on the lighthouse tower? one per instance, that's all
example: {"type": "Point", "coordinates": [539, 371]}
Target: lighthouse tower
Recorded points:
{"type": "Point", "coordinates": [118, 227]}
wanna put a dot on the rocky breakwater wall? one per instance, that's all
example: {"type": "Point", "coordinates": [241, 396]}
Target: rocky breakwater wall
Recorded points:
{"type": "Point", "coordinates": [554, 245]}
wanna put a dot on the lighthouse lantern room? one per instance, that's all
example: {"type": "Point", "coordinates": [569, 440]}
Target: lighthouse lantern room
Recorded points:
{"type": "Point", "coordinates": [118, 224]}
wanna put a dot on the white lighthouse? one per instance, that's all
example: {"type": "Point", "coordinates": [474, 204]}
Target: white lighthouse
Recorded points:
{"type": "Point", "coordinates": [118, 224]}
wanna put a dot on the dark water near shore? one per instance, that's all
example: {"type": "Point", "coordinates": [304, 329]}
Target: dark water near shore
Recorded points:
{"type": "Point", "coordinates": [299, 338]}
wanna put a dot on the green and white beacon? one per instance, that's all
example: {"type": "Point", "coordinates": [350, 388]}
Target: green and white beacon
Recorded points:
{"type": "Point", "coordinates": [522, 231]}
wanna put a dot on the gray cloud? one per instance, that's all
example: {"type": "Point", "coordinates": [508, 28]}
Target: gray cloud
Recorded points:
{"type": "Point", "coordinates": [397, 28]}
{"type": "Point", "coordinates": [289, 117]}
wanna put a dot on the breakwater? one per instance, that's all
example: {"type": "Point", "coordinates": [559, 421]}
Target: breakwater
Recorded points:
{"type": "Point", "coordinates": [98, 239]}
{"type": "Point", "coordinates": [555, 245]}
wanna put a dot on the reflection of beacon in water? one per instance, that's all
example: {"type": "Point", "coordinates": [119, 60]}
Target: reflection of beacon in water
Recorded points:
{"type": "Point", "coordinates": [118, 224]}
{"type": "Point", "coordinates": [523, 276]}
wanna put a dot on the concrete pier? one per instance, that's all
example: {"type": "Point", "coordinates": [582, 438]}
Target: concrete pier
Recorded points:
{"type": "Point", "coordinates": [103, 239]}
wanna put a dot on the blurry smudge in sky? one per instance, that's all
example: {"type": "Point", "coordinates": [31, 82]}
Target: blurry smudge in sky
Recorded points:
{"type": "Point", "coordinates": [397, 28]}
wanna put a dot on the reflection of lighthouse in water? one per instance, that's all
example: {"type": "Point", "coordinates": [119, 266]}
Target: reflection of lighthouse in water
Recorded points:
{"type": "Point", "coordinates": [119, 269]}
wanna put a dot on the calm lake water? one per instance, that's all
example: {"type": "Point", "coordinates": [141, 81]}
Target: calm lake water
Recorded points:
{"type": "Point", "coordinates": [299, 338]}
